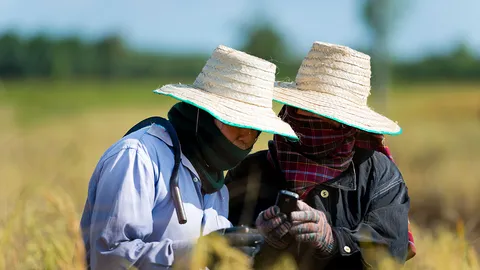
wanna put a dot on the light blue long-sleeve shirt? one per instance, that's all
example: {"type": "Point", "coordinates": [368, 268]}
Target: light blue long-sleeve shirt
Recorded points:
{"type": "Point", "coordinates": [129, 217]}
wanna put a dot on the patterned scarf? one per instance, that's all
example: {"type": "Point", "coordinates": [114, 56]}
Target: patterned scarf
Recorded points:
{"type": "Point", "coordinates": [323, 153]}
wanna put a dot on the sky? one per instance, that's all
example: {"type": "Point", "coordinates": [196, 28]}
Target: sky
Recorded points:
{"type": "Point", "coordinates": [181, 26]}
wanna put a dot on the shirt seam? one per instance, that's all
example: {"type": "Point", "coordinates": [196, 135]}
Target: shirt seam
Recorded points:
{"type": "Point", "coordinates": [127, 148]}
{"type": "Point", "coordinates": [385, 189]}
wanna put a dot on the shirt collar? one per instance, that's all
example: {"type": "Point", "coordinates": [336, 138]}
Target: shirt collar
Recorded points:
{"type": "Point", "coordinates": [160, 133]}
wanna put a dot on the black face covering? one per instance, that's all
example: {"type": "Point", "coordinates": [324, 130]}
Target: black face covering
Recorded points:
{"type": "Point", "coordinates": [209, 151]}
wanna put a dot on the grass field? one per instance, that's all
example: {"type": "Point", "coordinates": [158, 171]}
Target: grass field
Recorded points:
{"type": "Point", "coordinates": [52, 135]}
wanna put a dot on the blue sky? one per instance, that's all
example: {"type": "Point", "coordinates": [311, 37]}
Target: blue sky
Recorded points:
{"type": "Point", "coordinates": [200, 25]}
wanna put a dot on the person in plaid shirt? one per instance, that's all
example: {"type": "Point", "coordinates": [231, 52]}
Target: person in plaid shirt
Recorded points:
{"type": "Point", "coordinates": [353, 202]}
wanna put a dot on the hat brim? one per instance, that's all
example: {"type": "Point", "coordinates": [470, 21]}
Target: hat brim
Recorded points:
{"type": "Point", "coordinates": [335, 108]}
{"type": "Point", "coordinates": [229, 111]}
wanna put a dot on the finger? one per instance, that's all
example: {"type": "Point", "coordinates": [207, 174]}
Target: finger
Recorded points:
{"type": "Point", "coordinates": [270, 212]}
{"type": "Point", "coordinates": [281, 230]}
{"type": "Point", "coordinates": [275, 222]}
{"type": "Point", "coordinates": [305, 216]}
{"type": "Point", "coordinates": [297, 222]}
{"type": "Point", "coordinates": [308, 237]}
{"type": "Point", "coordinates": [269, 225]}
{"type": "Point", "coordinates": [304, 228]}
{"type": "Point", "coordinates": [266, 215]}
{"type": "Point", "coordinates": [303, 206]}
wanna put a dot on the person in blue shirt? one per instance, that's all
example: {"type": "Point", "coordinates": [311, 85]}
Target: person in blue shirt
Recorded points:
{"type": "Point", "coordinates": [130, 217]}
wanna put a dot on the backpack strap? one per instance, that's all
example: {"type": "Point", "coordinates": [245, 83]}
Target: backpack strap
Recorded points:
{"type": "Point", "coordinates": [177, 153]}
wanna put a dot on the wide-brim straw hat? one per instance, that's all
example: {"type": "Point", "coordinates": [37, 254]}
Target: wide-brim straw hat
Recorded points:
{"type": "Point", "coordinates": [237, 89]}
{"type": "Point", "coordinates": [333, 81]}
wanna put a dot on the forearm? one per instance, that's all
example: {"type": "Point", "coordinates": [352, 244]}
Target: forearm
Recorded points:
{"type": "Point", "coordinates": [151, 255]}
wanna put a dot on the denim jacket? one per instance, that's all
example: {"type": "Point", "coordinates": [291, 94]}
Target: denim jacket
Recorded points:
{"type": "Point", "coordinates": [366, 206]}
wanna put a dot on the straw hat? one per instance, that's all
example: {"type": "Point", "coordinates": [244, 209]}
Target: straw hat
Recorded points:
{"type": "Point", "coordinates": [237, 89]}
{"type": "Point", "coordinates": [334, 82]}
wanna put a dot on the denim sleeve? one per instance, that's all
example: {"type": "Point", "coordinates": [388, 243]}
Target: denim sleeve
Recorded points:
{"type": "Point", "coordinates": [385, 226]}
{"type": "Point", "coordinates": [122, 217]}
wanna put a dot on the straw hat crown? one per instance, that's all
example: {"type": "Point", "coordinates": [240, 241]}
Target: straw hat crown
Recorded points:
{"type": "Point", "coordinates": [336, 70]}
{"type": "Point", "coordinates": [333, 81]}
{"type": "Point", "coordinates": [239, 76]}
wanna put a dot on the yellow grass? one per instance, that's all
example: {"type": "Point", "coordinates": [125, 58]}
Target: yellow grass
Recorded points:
{"type": "Point", "coordinates": [45, 168]}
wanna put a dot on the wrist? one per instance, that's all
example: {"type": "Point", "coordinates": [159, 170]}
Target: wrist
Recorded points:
{"type": "Point", "coordinates": [329, 245]}
{"type": "Point", "coordinates": [327, 251]}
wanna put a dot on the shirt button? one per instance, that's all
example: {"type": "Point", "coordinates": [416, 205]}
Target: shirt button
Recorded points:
{"type": "Point", "coordinates": [195, 179]}
{"type": "Point", "coordinates": [324, 193]}
{"type": "Point", "coordinates": [346, 249]}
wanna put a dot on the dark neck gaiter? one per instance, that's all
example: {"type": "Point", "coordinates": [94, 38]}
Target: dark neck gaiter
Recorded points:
{"type": "Point", "coordinates": [209, 151]}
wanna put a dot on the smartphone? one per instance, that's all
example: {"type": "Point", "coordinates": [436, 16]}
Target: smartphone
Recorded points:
{"type": "Point", "coordinates": [242, 235]}
{"type": "Point", "coordinates": [237, 229]}
{"type": "Point", "coordinates": [287, 201]}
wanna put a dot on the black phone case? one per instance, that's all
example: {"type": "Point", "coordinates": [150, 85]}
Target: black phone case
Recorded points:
{"type": "Point", "coordinates": [287, 201]}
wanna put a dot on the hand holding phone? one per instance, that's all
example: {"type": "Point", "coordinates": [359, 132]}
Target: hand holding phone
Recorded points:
{"type": "Point", "coordinates": [287, 201]}
{"type": "Point", "coordinates": [244, 238]}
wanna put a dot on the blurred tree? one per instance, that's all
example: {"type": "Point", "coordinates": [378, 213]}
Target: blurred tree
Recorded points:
{"type": "Point", "coordinates": [109, 53]}
{"type": "Point", "coordinates": [264, 40]}
{"type": "Point", "coordinates": [379, 17]}
{"type": "Point", "coordinates": [460, 64]}
{"type": "Point", "coordinates": [38, 56]}
{"type": "Point", "coordinates": [261, 38]}
{"type": "Point", "coordinates": [69, 57]}
{"type": "Point", "coordinates": [11, 56]}
{"type": "Point", "coordinates": [81, 56]}
{"type": "Point", "coordinates": [62, 59]}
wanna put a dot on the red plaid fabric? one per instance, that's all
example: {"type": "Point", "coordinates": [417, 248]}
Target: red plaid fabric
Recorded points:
{"type": "Point", "coordinates": [323, 153]}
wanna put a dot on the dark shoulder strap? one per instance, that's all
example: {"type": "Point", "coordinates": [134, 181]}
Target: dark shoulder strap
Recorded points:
{"type": "Point", "coordinates": [174, 189]}
{"type": "Point", "coordinates": [168, 127]}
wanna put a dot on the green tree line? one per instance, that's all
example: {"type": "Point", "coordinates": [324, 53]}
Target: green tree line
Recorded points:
{"type": "Point", "coordinates": [42, 56]}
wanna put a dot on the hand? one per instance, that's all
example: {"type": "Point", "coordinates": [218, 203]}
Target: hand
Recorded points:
{"type": "Point", "coordinates": [243, 238]}
{"type": "Point", "coordinates": [274, 226]}
{"type": "Point", "coordinates": [311, 226]}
